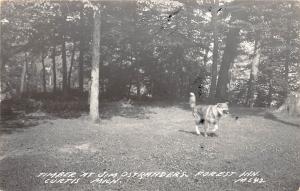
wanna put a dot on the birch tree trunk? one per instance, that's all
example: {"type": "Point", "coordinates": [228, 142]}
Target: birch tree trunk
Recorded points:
{"type": "Point", "coordinates": [94, 95]}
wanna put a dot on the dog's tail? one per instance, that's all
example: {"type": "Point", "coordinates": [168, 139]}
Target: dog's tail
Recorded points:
{"type": "Point", "coordinates": [192, 100]}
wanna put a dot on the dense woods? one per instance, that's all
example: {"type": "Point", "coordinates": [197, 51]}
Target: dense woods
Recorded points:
{"type": "Point", "coordinates": [244, 52]}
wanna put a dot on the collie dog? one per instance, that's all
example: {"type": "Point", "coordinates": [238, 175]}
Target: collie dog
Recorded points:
{"type": "Point", "coordinates": [207, 115]}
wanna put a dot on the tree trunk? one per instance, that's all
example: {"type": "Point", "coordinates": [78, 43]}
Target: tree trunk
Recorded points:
{"type": "Point", "coordinates": [64, 64]}
{"type": "Point", "coordinates": [54, 67]}
{"type": "Point", "coordinates": [44, 73]}
{"type": "Point", "coordinates": [71, 65]}
{"type": "Point", "coordinates": [3, 61]}
{"type": "Point", "coordinates": [227, 60]}
{"type": "Point", "coordinates": [254, 73]}
{"type": "Point", "coordinates": [27, 76]}
{"type": "Point", "coordinates": [94, 95]}
{"type": "Point", "coordinates": [1, 89]}
{"type": "Point", "coordinates": [205, 58]}
{"type": "Point", "coordinates": [214, 67]}
{"type": "Point", "coordinates": [288, 53]}
{"type": "Point", "coordinates": [270, 93]}
{"type": "Point", "coordinates": [23, 76]}
{"type": "Point", "coordinates": [129, 88]}
{"type": "Point", "coordinates": [138, 86]}
{"type": "Point", "coordinates": [249, 91]}
{"type": "Point", "coordinates": [35, 76]}
{"type": "Point", "coordinates": [81, 53]}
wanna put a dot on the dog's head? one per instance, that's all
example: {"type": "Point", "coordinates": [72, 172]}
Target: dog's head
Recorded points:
{"type": "Point", "coordinates": [223, 108]}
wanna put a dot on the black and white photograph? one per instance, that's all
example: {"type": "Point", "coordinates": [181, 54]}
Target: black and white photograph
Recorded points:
{"type": "Point", "coordinates": [150, 95]}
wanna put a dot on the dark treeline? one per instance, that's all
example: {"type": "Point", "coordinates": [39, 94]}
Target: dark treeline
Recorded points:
{"type": "Point", "coordinates": [247, 52]}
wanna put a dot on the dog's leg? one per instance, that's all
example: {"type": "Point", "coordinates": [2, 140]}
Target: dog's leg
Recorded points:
{"type": "Point", "coordinates": [205, 128]}
{"type": "Point", "coordinates": [197, 130]}
{"type": "Point", "coordinates": [216, 126]}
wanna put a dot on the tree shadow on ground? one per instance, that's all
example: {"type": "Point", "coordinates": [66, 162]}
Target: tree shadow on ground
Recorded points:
{"type": "Point", "coordinates": [18, 123]}
{"type": "Point", "coordinates": [194, 133]}
{"type": "Point", "coordinates": [109, 110]}
{"type": "Point", "coordinates": [272, 117]}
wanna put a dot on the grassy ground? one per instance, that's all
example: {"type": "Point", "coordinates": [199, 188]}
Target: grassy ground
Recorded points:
{"type": "Point", "coordinates": [150, 139]}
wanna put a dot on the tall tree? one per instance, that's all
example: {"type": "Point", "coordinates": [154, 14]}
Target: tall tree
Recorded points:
{"type": "Point", "coordinates": [270, 91]}
{"type": "Point", "coordinates": [229, 55]}
{"type": "Point", "coordinates": [288, 49]}
{"type": "Point", "coordinates": [64, 64]}
{"type": "Point", "coordinates": [71, 64]}
{"type": "Point", "coordinates": [63, 37]}
{"type": "Point", "coordinates": [1, 97]}
{"type": "Point", "coordinates": [94, 95]}
{"type": "Point", "coordinates": [81, 51]}
{"type": "Point", "coordinates": [44, 72]}
{"type": "Point", "coordinates": [54, 67]}
{"type": "Point", "coordinates": [214, 67]}
{"type": "Point", "coordinates": [23, 76]}
{"type": "Point", "coordinates": [254, 72]}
